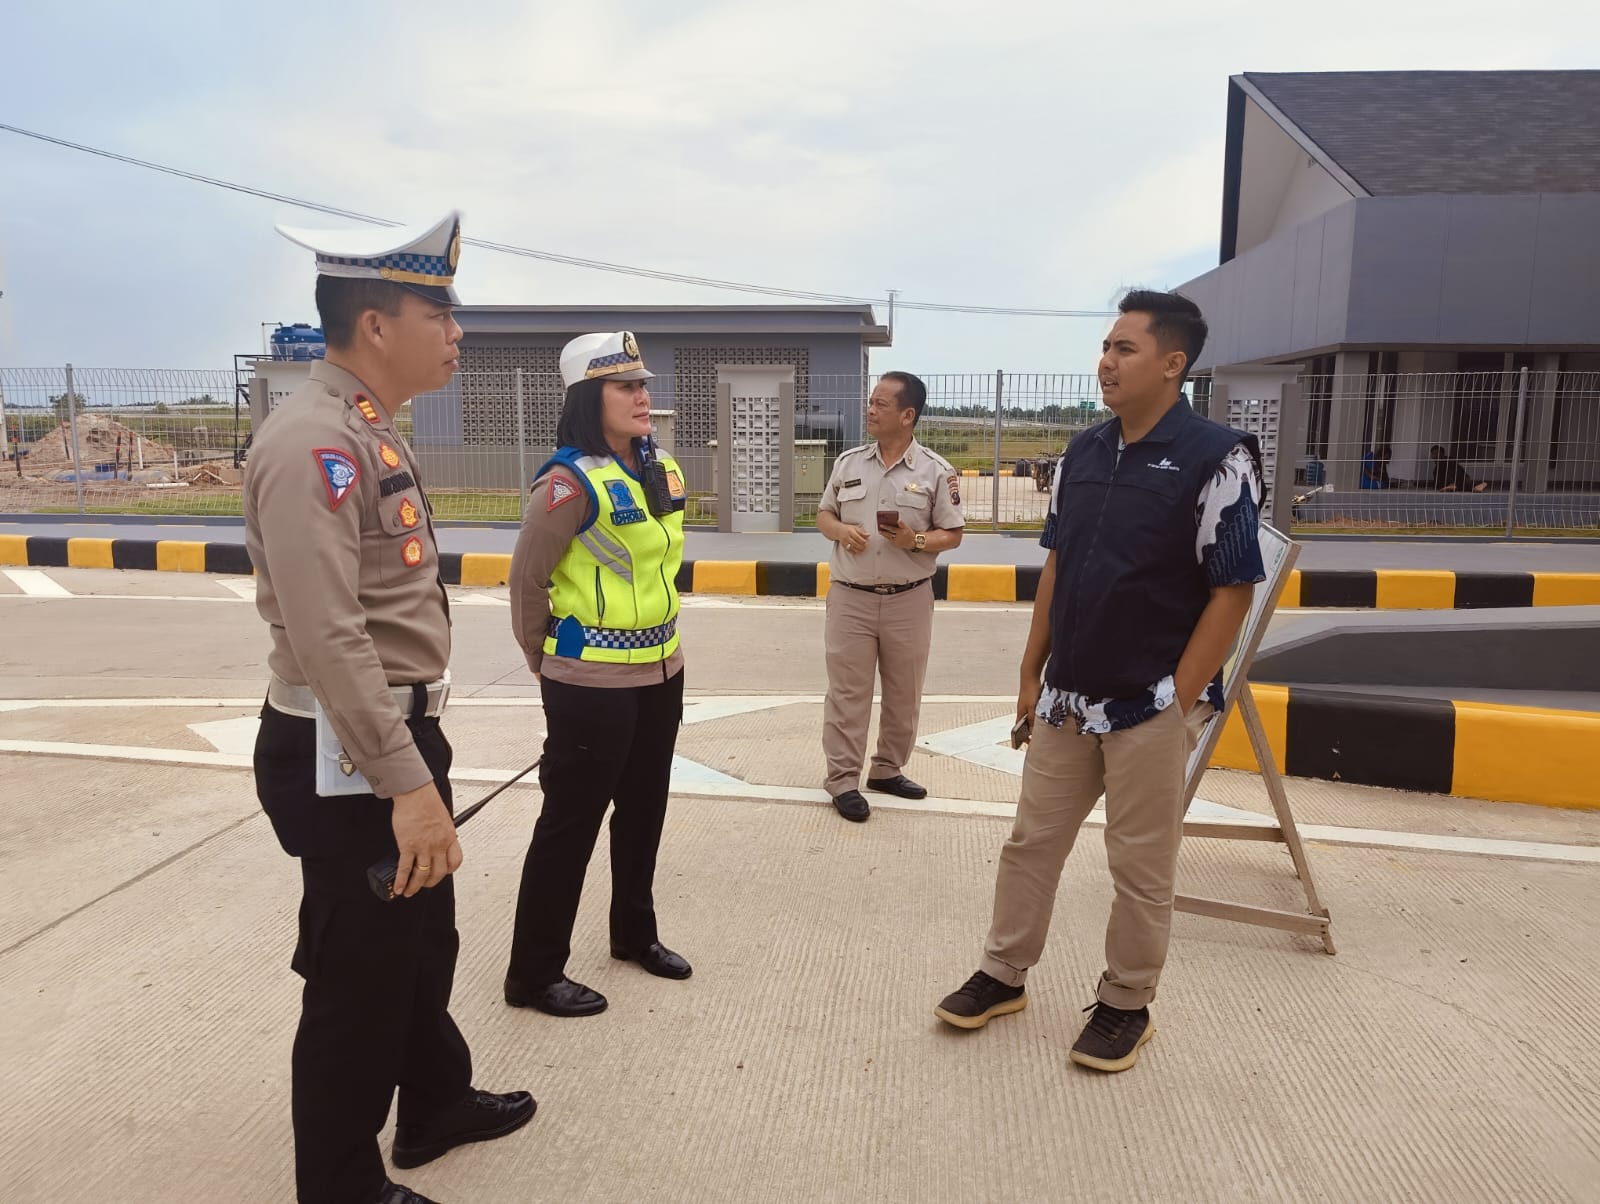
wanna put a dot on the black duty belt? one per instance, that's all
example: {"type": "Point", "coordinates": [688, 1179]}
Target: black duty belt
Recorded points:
{"type": "Point", "coordinates": [882, 589]}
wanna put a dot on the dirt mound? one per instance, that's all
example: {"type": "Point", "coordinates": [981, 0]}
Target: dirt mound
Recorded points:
{"type": "Point", "coordinates": [99, 441]}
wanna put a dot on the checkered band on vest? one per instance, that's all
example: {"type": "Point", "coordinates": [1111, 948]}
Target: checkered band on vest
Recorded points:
{"type": "Point", "coordinates": [612, 637]}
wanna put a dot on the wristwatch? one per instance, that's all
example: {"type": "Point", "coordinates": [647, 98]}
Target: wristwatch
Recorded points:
{"type": "Point", "coordinates": [919, 541]}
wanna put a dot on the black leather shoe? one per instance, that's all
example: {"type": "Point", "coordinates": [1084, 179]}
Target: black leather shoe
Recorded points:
{"type": "Point", "coordinates": [657, 959]}
{"type": "Point", "coordinates": [560, 998]}
{"type": "Point", "coordinates": [481, 1116]}
{"type": "Point", "coordinates": [852, 806]}
{"type": "Point", "coordinates": [899, 784]}
{"type": "Point", "coordinates": [395, 1193]}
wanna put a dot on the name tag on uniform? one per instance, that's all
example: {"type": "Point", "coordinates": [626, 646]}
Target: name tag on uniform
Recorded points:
{"type": "Point", "coordinates": [848, 484]}
{"type": "Point", "coordinates": [337, 775]}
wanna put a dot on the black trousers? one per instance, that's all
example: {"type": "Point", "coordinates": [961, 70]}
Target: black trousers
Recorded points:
{"type": "Point", "coordinates": [374, 1014]}
{"type": "Point", "coordinates": [602, 746]}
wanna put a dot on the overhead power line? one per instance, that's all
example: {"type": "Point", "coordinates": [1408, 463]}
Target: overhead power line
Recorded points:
{"type": "Point", "coordinates": [597, 265]}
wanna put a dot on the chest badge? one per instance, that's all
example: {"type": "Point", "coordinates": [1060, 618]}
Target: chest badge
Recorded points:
{"type": "Point", "coordinates": [367, 410]}
{"type": "Point", "coordinates": [674, 483]}
{"type": "Point", "coordinates": [412, 552]}
{"type": "Point", "coordinates": [624, 509]}
{"type": "Point", "coordinates": [388, 455]}
{"type": "Point", "coordinates": [408, 513]}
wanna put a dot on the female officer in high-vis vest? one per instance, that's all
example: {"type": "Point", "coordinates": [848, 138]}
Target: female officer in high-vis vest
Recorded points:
{"type": "Point", "coordinates": [594, 605]}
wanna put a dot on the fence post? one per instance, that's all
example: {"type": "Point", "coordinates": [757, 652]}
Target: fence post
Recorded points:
{"type": "Point", "coordinates": [77, 452]}
{"type": "Point", "coordinates": [522, 451]}
{"type": "Point", "coordinates": [999, 411]}
{"type": "Point", "coordinates": [1516, 450]}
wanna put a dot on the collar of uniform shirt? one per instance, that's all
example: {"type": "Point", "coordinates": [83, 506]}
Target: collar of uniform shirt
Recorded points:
{"type": "Point", "coordinates": [909, 455]}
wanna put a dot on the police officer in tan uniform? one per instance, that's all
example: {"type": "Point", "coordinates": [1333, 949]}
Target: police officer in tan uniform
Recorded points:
{"type": "Point", "coordinates": [880, 597]}
{"type": "Point", "coordinates": [351, 764]}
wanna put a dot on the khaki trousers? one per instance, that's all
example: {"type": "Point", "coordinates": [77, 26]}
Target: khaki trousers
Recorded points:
{"type": "Point", "coordinates": [1141, 771]}
{"type": "Point", "coordinates": [889, 634]}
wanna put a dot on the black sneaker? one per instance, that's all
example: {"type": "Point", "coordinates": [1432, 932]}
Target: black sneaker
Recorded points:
{"type": "Point", "coordinates": [980, 999]}
{"type": "Point", "coordinates": [1111, 1039]}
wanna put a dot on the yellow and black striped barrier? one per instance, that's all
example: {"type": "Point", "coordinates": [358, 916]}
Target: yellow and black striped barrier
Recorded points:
{"type": "Point", "coordinates": [1383, 589]}
{"type": "Point", "coordinates": [1514, 754]}
{"type": "Point", "coordinates": [170, 555]}
{"type": "Point", "coordinates": [1473, 749]}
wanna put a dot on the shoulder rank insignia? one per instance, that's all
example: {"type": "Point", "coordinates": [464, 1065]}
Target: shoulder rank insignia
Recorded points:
{"type": "Point", "coordinates": [339, 473]}
{"type": "Point", "coordinates": [388, 455]}
{"type": "Point", "coordinates": [408, 513]}
{"type": "Point", "coordinates": [412, 552]}
{"type": "Point", "coordinates": [367, 410]}
{"type": "Point", "coordinates": [624, 509]}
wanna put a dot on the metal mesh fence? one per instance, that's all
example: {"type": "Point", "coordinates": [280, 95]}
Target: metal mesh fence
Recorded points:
{"type": "Point", "coordinates": [1438, 452]}
{"type": "Point", "coordinates": [1464, 451]}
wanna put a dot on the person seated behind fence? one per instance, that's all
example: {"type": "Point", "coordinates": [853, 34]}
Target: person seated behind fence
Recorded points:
{"type": "Point", "coordinates": [1449, 476]}
{"type": "Point", "coordinates": [1375, 467]}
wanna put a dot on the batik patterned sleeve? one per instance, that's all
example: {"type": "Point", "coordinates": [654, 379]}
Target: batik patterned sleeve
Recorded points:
{"type": "Point", "coordinates": [1228, 516]}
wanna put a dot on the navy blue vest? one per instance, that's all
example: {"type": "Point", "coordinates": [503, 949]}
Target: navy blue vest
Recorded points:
{"type": "Point", "coordinates": [1129, 589]}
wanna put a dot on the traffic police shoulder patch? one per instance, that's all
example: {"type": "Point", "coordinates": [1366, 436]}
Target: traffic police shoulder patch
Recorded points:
{"type": "Point", "coordinates": [561, 490]}
{"type": "Point", "coordinates": [339, 473]}
{"type": "Point", "coordinates": [955, 489]}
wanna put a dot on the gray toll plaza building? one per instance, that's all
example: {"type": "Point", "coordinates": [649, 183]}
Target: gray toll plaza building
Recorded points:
{"type": "Point", "coordinates": [751, 360]}
{"type": "Point", "coordinates": [1396, 248]}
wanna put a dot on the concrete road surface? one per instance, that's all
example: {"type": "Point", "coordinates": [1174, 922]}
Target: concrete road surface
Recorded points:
{"type": "Point", "coordinates": [1447, 1053]}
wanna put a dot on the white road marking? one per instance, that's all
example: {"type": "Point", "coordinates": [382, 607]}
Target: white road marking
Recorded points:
{"type": "Point", "coordinates": [236, 736]}
{"type": "Point", "coordinates": [234, 739]}
{"type": "Point", "coordinates": [35, 584]}
{"type": "Point", "coordinates": [245, 587]}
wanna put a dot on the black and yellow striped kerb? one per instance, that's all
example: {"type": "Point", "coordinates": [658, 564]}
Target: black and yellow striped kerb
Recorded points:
{"type": "Point", "coordinates": [171, 555]}
{"type": "Point", "coordinates": [1442, 746]}
{"type": "Point", "coordinates": [1478, 750]}
{"type": "Point", "coordinates": [1384, 589]}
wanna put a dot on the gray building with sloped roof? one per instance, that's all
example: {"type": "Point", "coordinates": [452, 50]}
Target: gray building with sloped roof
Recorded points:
{"type": "Point", "coordinates": [1404, 243]}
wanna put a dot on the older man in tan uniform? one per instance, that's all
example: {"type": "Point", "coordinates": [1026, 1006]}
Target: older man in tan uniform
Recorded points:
{"type": "Point", "coordinates": [880, 597]}
{"type": "Point", "coordinates": [351, 765]}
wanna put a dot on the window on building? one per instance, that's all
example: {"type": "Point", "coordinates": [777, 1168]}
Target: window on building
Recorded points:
{"type": "Point", "coordinates": [1475, 400]}
{"type": "Point", "coordinates": [1383, 379]}
{"type": "Point", "coordinates": [1319, 405]}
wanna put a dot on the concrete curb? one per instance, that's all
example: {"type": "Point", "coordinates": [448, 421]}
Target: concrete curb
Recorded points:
{"type": "Point", "coordinates": [1438, 745]}
{"type": "Point", "coordinates": [1383, 589]}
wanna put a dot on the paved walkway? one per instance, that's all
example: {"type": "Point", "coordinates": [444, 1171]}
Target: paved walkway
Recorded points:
{"type": "Point", "coordinates": [146, 917]}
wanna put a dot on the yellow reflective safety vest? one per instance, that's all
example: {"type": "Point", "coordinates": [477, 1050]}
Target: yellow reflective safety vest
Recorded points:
{"type": "Point", "coordinates": [614, 593]}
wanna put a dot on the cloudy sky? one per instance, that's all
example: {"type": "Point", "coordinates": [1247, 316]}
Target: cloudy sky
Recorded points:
{"type": "Point", "coordinates": [1031, 153]}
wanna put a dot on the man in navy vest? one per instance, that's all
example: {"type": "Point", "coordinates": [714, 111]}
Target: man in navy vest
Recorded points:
{"type": "Point", "coordinates": [1152, 539]}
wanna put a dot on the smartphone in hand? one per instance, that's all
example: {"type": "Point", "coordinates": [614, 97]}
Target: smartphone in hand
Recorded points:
{"type": "Point", "coordinates": [1022, 732]}
{"type": "Point", "coordinates": [888, 520]}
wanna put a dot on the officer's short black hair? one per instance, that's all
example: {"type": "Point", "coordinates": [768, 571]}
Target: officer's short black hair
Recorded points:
{"type": "Point", "coordinates": [341, 300]}
{"type": "Point", "coordinates": [1175, 321]}
{"type": "Point", "coordinates": [913, 392]}
{"type": "Point", "coordinates": [580, 425]}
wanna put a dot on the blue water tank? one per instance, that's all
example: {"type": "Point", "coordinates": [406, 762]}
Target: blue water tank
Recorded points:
{"type": "Point", "coordinates": [302, 341]}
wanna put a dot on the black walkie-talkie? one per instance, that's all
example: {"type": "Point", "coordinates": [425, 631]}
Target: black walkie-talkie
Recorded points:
{"type": "Point", "coordinates": [653, 475]}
